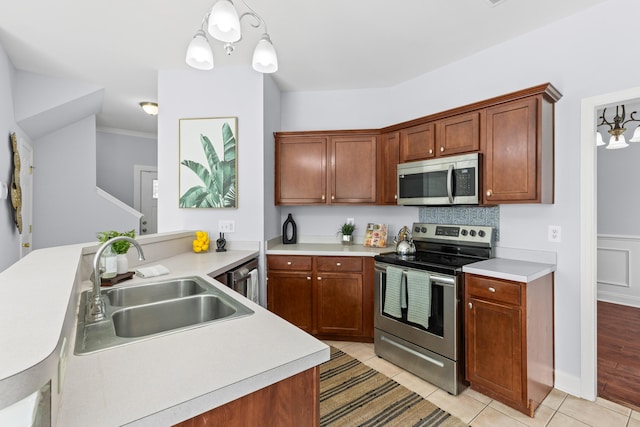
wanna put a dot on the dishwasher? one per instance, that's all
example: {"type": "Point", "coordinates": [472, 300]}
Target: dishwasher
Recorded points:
{"type": "Point", "coordinates": [242, 279]}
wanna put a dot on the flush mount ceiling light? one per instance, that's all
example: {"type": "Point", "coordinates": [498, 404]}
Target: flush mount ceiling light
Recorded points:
{"type": "Point", "coordinates": [150, 108]}
{"type": "Point", "coordinates": [222, 23]}
{"type": "Point", "coordinates": [617, 129]}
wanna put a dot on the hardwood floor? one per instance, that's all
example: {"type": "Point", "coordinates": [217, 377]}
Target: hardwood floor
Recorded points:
{"type": "Point", "coordinates": [619, 354]}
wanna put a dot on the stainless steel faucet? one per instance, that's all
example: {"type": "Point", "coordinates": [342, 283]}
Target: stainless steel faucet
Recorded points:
{"type": "Point", "coordinates": [95, 305]}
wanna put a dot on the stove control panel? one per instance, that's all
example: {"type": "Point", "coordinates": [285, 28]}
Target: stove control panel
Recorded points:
{"type": "Point", "coordinates": [459, 233]}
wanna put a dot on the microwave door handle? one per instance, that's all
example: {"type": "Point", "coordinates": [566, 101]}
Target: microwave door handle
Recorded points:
{"type": "Point", "coordinates": [450, 183]}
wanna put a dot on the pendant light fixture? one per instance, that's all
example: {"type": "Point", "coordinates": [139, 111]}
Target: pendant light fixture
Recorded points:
{"type": "Point", "coordinates": [617, 129]}
{"type": "Point", "coordinates": [222, 23]}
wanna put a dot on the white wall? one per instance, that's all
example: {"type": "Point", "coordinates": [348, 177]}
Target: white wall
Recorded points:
{"type": "Point", "coordinates": [9, 249]}
{"type": "Point", "coordinates": [67, 208]}
{"type": "Point", "coordinates": [116, 155]}
{"type": "Point", "coordinates": [222, 92]}
{"type": "Point", "coordinates": [618, 201]}
{"type": "Point", "coordinates": [272, 119]}
{"type": "Point", "coordinates": [561, 53]}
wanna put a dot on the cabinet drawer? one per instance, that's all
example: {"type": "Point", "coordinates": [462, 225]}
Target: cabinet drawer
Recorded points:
{"type": "Point", "coordinates": [292, 263]}
{"type": "Point", "coordinates": [330, 263]}
{"type": "Point", "coordinates": [495, 290]}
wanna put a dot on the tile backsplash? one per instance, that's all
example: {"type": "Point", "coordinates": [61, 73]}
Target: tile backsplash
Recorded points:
{"type": "Point", "coordinates": [463, 215]}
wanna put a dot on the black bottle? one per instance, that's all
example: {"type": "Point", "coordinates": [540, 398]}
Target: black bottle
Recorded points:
{"type": "Point", "coordinates": [289, 232]}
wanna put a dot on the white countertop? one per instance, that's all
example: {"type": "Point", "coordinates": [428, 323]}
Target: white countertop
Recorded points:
{"type": "Point", "coordinates": [326, 249]}
{"type": "Point", "coordinates": [510, 269]}
{"type": "Point", "coordinates": [160, 381]}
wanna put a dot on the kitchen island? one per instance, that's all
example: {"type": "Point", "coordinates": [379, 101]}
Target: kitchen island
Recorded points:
{"type": "Point", "coordinates": [160, 381]}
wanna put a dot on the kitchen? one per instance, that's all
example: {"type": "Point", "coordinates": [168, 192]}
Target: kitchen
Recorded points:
{"type": "Point", "coordinates": [559, 59]}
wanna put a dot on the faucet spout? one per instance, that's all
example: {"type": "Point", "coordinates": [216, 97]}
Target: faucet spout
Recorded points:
{"type": "Point", "coordinates": [95, 305]}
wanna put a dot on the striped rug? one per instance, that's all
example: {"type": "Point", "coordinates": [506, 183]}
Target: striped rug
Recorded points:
{"type": "Point", "coordinates": [352, 394]}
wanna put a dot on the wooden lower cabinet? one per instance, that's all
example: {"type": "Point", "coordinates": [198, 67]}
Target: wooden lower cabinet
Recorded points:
{"type": "Point", "coordinates": [292, 402]}
{"type": "Point", "coordinates": [333, 299]}
{"type": "Point", "coordinates": [509, 339]}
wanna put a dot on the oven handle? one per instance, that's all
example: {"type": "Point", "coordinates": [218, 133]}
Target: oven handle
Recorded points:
{"type": "Point", "coordinates": [413, 352]}
{"type": "Point", "coordinates": [448, 280]}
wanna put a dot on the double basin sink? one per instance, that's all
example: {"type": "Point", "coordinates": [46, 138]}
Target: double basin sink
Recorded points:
{"type": "Point", "coordinates": [149, 310]}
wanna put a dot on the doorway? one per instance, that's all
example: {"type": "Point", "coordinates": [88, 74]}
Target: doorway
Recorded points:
{"type": "Point", "coordinates": [145, 197]}
{"type": "Point", "coordinates": [588, 234]}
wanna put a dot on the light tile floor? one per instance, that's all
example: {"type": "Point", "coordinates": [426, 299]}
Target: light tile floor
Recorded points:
{"type": "Point", "coordinates": [558, 410]}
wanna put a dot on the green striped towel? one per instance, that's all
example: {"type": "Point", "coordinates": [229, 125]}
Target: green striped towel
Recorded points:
{"type": "Point", "coordinates": [419, 297]}
{"type": "Point", "coordinates": [393, 292]}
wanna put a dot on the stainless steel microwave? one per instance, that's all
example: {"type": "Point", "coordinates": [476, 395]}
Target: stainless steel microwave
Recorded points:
{"type": "Point", "coordinates": [452, 180]}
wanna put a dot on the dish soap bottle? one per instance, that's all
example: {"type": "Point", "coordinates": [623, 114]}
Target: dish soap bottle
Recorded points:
{"type": "Point", "coordinates": [289, 232]}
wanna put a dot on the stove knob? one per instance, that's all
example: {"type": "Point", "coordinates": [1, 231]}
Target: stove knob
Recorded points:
{"type": "Point", "coordinates": [481, 233]}
{"type": "Point", "coordinates": [472, 233]}
{"type": "Point", "coordinates": [423, 229]}
{"type": "Point", "coordinates": [464, 232]}
{"type": "Point", "coordinates": [416, 229]}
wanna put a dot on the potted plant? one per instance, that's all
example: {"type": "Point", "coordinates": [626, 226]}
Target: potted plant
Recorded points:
{"type": "Point", "coordinates": [119, 248]}
{"type": "Point", "coordinates": [347, 233]}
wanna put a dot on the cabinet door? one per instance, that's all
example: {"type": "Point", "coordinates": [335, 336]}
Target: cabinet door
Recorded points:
{"type": "Point", "coordinates": [353, 169]}
{"type": "Point", "coordinates": [511, 155]}
{"type": "Point", "coordinates": [289, 295]}
{"type": "Point", "coordinates": [458, 134]}
{"type": "Point", "coordinates": [388, 159]}
{"type": "Point", "coordinates": [417, 143]}
{"type": "Point", "coordinates": [340, 304]}
{"type": "Point", "coordinates": [301, 171]}
{"type": "Point", "coordinates": [494, 348]}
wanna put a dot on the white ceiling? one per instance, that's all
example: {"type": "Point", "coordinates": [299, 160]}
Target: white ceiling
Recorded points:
{"type": "Point", "coordinates": [322, 45]}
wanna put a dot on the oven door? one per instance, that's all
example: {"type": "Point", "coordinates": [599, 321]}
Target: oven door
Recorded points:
{"type": "Point", "coordinates": [442, 335]}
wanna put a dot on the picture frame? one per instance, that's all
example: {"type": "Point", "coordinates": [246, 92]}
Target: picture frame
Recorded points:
{"type": "Point", "coordinates": [208, 163]}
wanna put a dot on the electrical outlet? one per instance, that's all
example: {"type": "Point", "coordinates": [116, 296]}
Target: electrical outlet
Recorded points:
{"type": "Point", "coordinates": [554, 233]}
{"type": "Point", "coordinates": [351, 221]}
{"type": "Point", "coordinates": [228, 226]}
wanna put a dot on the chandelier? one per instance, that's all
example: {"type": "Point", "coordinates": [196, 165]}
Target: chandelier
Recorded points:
{"type": "Point", "coordinates": [617, 129]}
{"type": "Point", "coordinates": [222, 23]}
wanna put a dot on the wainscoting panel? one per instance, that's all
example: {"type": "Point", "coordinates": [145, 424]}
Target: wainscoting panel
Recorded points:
{"type": "Point", "coordinates": [619, 269]}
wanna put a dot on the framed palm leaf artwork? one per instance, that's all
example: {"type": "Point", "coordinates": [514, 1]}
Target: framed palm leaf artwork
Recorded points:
{"type": "Point", "coordinates": [208, 163]}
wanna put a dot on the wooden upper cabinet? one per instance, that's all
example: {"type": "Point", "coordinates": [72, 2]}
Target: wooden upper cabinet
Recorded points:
{"type": "Point", "coordinates": [353, 169]}
{"type": "Point", "coordinates": [301, 170]}
{"type": "Point", "coordinates": [388, 159]}
{"type": "Point", "coordinates": [458, 134]}
{"type": "Point", "coordinates": [417, 142]}
{"type": "Point", "coordinates": [519, 152]}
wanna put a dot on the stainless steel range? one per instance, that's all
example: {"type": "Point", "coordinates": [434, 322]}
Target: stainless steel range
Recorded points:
{"type": "Point", "coordinates": [418, 314]}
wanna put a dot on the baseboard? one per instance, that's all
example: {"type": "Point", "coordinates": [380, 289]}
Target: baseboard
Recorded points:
{"type": "Point", "coordinates": [568, 383]}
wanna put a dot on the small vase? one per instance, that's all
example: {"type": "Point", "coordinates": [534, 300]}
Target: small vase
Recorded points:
{"type": "Point", "coordinates": [347, 239]}
{"type": "Point", "coordinates": [123, 263]}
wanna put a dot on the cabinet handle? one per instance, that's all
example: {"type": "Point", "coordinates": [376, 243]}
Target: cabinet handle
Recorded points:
{"type": "Point", "coordinates": [308, 277]}
{"type": "Point", "coordinates": [470, 305]}
{"type": "Point", "coordinates": [395, 197]}
{"type": "Point", "coordinates": [488, 193]}
{"type": "Point", "coordinates": [442, 149]}
{"type": "Point", "coordinates": [430, 151]}
{"type": "Point", "coordinates": [492, 289]}
{"type": "Point", "coordinates": [323, 197]}
{"type": "Point", "coordinates": [288, 262]}
{"type": "Point", "coordinates": [338, 264]}
{"type": "Point", "coordinates": [333, 197]}
{"type": "Point", "coordinates": [319, 278]}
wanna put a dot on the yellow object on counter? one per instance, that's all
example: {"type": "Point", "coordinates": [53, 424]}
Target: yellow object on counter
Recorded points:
{"type": "Point", "coordinates": [201, 243]}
